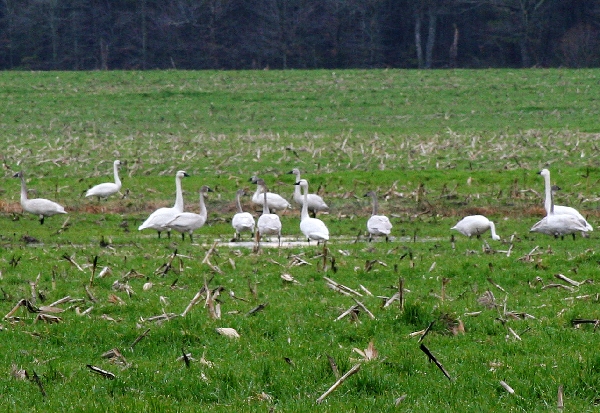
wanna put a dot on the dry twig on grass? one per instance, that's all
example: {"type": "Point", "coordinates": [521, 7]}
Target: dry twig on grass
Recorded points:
{"type": "Point", "coordinates": [350, 372]}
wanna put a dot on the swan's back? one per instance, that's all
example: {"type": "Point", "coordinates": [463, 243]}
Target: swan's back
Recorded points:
{"type": "Point", "coordinates": [243, 221]}
{"type": "Point", "coordinates": [269, 224]}
{"type": "Point", "coordinates": [315, 229]}
{"type": "Point", "coordinates": [472, 225]}
{"type": "Point", "coordinates": [560, 224]}
{"type": "Point", "coordinates": [159, 219]}
{"type": "Point", "coordinates": [41, 206]}
{"type": "Point", "coordinates": [103, 190]}
{"type": "Point", "coordinates": [379, 225]}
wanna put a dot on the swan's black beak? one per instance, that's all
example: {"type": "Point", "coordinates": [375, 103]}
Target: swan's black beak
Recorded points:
{"type": "Point", "coordinates": [253, 179]}
{"type": "Point", "coordinates": [17, 175]}
{"type": "Point", "coordinates": [290, 172]}
{"type": "Point", "coordinates": [297, 183]}
{"type": "Point", "coordinates": [209, 190]}
{"type": "Point", "coordinates": [186, 174]}
{"type": "Point", "coordinates": [539, 173]}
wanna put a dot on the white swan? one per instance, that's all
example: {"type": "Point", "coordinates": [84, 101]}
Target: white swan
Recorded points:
{"type": "Point", "coordinates": [38, 206]}
{"type": "Point", "coordinates": [315, 202]}
{"type": "Point", "coordinates": [378, 225]}
{"type": "Point", "coordinates": [108, 188]}
{"type": "Point", "coordinates": [559, 225]}
{"type": "Point", "coordinates": [276, 202]}
{"type": "Point", "coordinates": [158, 219]}
{"type": "Point", "coordinates": [189, 221]}
{"type": "Point", "coordinates": [241, 221]}
{"type": "Point", "coordinates": [267, 224]}
{"type": "Point", "coordinates": [476, 225]}
{"type": "Point", "coordinates": [559, 209]}
{"type": "Point", "coordinates": [312, 228]}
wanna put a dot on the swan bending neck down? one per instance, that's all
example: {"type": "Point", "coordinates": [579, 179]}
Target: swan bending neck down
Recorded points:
{"type": "Point", "coordinates": [378, 225]}
{"type": "Point", "coordinates": [38, 206]}
{"type": "Point", "coordinates": [241, 221]}
{"type": "Point", "coordinates": [158, 219]}
{"type": "Point", "coordinates": [268, 224]}
{"type": "Point", "coordinates": [108, 188]}
{"type": "Point", "coordinates": [312, 228]}
{"type": "Point", "coordinates": [315, 202]}
{"type": "Point", "coordinates": [189, 221]}
{"type": "Point", "coordinates": [559, 209]}
{"type": "Point", "coordinates": [476, 225]}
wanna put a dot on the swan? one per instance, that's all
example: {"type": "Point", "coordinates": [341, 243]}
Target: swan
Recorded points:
{"type": "Point", "coordinates": [241, 221]}
{"type": "Point", "coordinates": [189, 221]}
{"type": "Point", "coordinates": [158, 219]}
{"type": "Point", "coordinates": [267, 224]}
{"type": "Point", "coordinates": [315, 202]}
{"type": "Point", "coordinates": [38, 206]}
{"type": "Point", "coordinates": [476, 225]}
{"type": "Point", "coordinates": [377, 225]}
{"type": "Point", "coordinates": [276, 202]}
{"type": "Point", "coordinates": [312, 228]}
{"type": "Point", "coordinates": [108, 188]}
{"type": "Point", "coordinates": [559, 225]}
{"type": "Point", "coordinates": [559, 209]}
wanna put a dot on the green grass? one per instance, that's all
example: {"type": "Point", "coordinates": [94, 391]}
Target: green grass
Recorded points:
{"type": "Point", "coordinates": [436, 145]}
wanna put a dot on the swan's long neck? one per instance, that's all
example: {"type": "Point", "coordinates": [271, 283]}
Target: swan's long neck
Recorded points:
{"type": "Point", "coordinates": [203, 212]}
{"type": "Point", "coordinates": [297, 192]}
{"type": "Point", "coordinates": [116, 172]}
{"type": "Point", "coordinates": [548, 195]}
{"type": "Point", "coordinates": [23, 189]}
{"type": "Point", "coordinates": [239, 204]}
{"type": "Point", "coordinates": [265, 204]}
{"type": "Point", "coordinates": [304, 212]}
{"type": "Point", "coordinates": [375, 204]}
{"type": "Point", "coordinates": [178, 195]}
{"type": "Point", "coordinates": [493, 230]}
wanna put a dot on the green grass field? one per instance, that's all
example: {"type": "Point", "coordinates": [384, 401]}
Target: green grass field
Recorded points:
{"type": "Point", "coordinates": [435, 145]}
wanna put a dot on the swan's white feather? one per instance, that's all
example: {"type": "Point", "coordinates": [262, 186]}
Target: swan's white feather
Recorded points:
{"type": "Point", "coordinates": [107, 189]}
{"type": "Point", "coordinates": [476, 225]}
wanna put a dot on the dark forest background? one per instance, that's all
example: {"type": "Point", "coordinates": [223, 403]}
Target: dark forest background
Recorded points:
{"type": "Point", "coordinates": [302, 34]}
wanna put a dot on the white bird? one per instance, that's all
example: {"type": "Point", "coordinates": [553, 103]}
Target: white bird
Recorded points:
{"type": "Point", "coordinates": [189, 221]}
{"type": "Point", "coordinates": [378, 225]}
{"type": "Point", "coordinates": [158, 219]}
{"type": "Point", "coordinates": [38, 206]}
{"type": "Point", "coordinates": [559, 209]}
{"type": "Point", "coordinates": [312, 228]}
{"type": "Point", "coordinates": [476, 225]}
{"type": "Point", "coordinates": [267, 224]}
{"type": "Point", "coordinates": [108, 188]}
{"type": "Point", "coordinates": [315, 202]}
{"type": "Point", "coordinates": [241, 221]}
{"type": "Point", "coordinates": [276, 202]}
{"type": "Point", "coordinates": [559, 225]}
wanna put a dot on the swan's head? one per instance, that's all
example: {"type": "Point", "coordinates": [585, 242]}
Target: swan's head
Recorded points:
{"type": "Point", "coordinates": [117, 163]}
{"type": "Point", "coordinates": [253, 179]}
{"type": "Point", "coordinates": [18, 174]}
{"type": "Point", "coordinates": [303, 183]}
{"type": "Point", "coordinates": [544, 172]}
{"type": "Point", "coordinates": [181, 174]}
{"type": "Point", "coordinates": [370, 193]}
{"type": "Point", "coordinates": [496, 237]}
{"type": "Point", "coordinates": [205, 189]}
{"type": "Point", "coordinates": [294, 171]}
{"type": "Point", "coordinates": [240, 192]}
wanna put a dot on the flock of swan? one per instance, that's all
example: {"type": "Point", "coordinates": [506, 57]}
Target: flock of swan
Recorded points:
{"type": "Point", "coordinates": [558, 222]}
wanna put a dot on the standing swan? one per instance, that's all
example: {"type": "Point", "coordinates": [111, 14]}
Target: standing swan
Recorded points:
{"type": "Point", "coordinates": [108, 188]}
{"type": "Point", "coordinates": [268, 224]}
{"type": "Point", "coordinates": [315, 202]}
{"type": "Point", "coordinates": [188, 221]}
{"type": "Point", "coordinates": [38, 206]}
{"type": "Point", "coordinates": [158, 219]}
{"type": "Point", "coordinates": [312, 228]}
{"type": "Point", "coordinates": [378, 225]}
{"type": "Point", "coordinates": [559, 209]}
{"type": "Point", "coordinates": [476, 225]}
{"type": "Point", "coordinates": [242, 221]}
{"type": "Point", "coordinates": [559, 225]}
{"type": "Point", "coordinates": [275, 201]}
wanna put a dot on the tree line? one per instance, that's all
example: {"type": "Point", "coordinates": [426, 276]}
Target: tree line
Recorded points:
{"type": "Point", "coordinates": [297, 34]}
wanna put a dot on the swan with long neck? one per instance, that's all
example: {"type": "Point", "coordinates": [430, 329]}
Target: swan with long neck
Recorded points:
{"type": "Point", "coordinates": [38, 206]}
{"type": "Point", "coordinates": [275, 201]}
{"type": "Point", "coordinates": [158, 219]}
{"type": "Point", "coordinates": [378, 225]}
{"type": "Point", "coordinates": [315, 202]}
{"type": "Point", "coordinates": [241, 221]}
{"type": "Point", "coordinates": [108, 188]}
{"type": "Point", "coordinates": [559, 209]}
{"type": "Point", "coordinates": [189, 221]}
{"type": "Point", "coordinates": [476, 225]}
{"type": "Point", "coordinates": [312, 228]}
{"type": "Point", "coordinates": [559, 225]}
{"type": "Point", "coordinates": [267, 224]}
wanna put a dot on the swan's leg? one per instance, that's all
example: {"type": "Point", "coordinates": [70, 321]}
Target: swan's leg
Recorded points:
{"type": "Point", "coordinates": [191, 237]}
{"type": "Point", "coordinates": [42, 219]}
{"type": "Point", "coordinates": [573, 236]}
{"type": "Point", "coordinates": [387, 239]}
{"type": "Point", "coordinates": [158, 234]}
